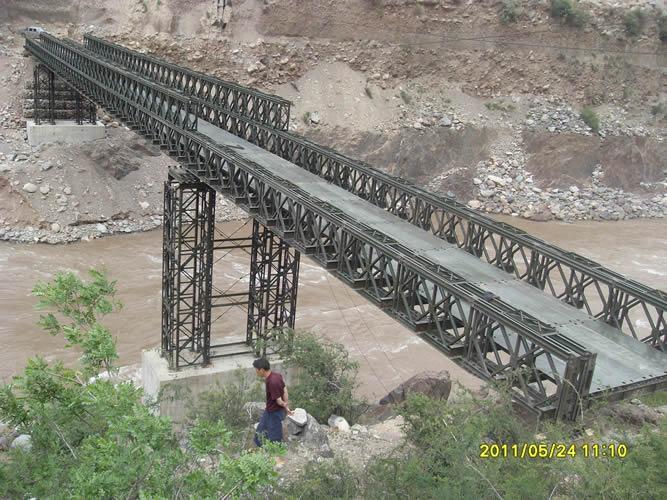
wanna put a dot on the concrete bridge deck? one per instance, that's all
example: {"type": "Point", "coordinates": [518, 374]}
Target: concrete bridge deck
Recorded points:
{"type": "Point", "coordinates": [621, 360]}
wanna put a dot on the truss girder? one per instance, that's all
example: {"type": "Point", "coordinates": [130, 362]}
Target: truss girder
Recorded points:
{"type": "Point", "coordinates": [428, 295]}
{"type": "Point", "coordinates": [572, 278]}
{"type": "Point", "coordinates": [124, 93]}
{"type": "Point", "coordinates": [258, 106]}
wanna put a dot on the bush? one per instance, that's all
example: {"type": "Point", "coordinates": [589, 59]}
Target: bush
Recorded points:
{"type": "Point", "coordinates": [634, 21]}
{"type": "Point", "coordinates": [92, 437]}
{"type": "Point", "coordinates": [326, 377]}
{"type": "Point", "coordinates": [335, 479]}
{"type": "Point", "coordinates": [443, 460]}
{"type": "Point", "coordinates": [662, 27]}
{"type": "Point", "coordinates": [510, 11]}
{"type": "Point", "coordinates": [590, 118]}
{"type": "Point", "coordinates": [567, 12]}
{"type": "Point", "coordinates": [226, 401]}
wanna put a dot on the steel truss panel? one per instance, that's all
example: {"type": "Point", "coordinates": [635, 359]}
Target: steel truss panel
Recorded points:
{"type": "Point", "coordinates": [44, 77]}
{"type": "Point", "coordinates": [576, 280]}
{"type": "Point", "coordinates": [274, 274]}
{"type": "Point", "coordinates": [187, 271]}
{"type": "Point", "coordinates": [548, 372]}
{"type": "Point", "coordinates": [263, 108]}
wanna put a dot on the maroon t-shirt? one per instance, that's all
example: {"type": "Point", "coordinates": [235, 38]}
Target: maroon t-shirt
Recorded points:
{"type": "Point", "coordinates": [275, 387]}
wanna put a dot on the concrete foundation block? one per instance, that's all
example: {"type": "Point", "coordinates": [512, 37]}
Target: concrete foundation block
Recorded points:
{"type": "Point", "coordinates": [64, 131]}
{"type": "Point", "coordinates": [177, 391]}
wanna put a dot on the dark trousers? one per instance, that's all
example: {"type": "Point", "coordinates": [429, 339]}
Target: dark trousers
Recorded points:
{"type": "Point", "coordinates": [270, 426]}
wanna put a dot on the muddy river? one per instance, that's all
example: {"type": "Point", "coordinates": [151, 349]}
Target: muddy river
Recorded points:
{"type": "Point", "coordinates": [387, 352]}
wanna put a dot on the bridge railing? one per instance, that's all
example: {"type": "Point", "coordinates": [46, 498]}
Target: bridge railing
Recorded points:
{"type": "Point", "coordinates": [258, 106]}
{"type": "Point", "coordinates": [633, 308]}
{"type": "Point", "coordinates": [547, 371]}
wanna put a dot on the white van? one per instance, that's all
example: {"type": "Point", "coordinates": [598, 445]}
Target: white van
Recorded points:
{"type": "Point", "coordinates": [33, 32]}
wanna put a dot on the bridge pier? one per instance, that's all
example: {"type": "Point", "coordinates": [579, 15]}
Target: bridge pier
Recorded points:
{"type": "Point", "coordinates": [188, 292]}
{"type": "Point", "coordinates": [56, 112]}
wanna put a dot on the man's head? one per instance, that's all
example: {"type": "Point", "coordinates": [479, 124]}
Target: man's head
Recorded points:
{"type": "Point", "coordinates": [262, 367]}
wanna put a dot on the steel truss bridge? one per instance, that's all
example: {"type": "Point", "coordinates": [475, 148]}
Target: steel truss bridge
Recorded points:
{"type": "Point", "coordinates": [559, 328]}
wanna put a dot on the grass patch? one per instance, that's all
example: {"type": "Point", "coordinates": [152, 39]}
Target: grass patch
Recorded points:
{"type": "Point", "coordinates": [590, 118]}
{"type": "Point", "coordinates": [654, 399]}
{"type": "Point", "coordinates": [569, 13]}
{"type": "Point", "coordinates": [306, 118]}
{"type": "Point", "coordinates": [510, 11]}
{"type": "Point", "coordinates": [662, 27]}
{"type": "Point", "coordinates": [634, 21]}
{"type": "Point", "coordinates": [407, 99]}
{"type": "Point", "coordinates": [505, 107]}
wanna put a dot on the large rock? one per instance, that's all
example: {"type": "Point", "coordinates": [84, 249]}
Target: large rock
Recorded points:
{"type": "Point", "coordinates": [636, 414]}
{"type": "Point", "coordinates": [23, 442]}
{"type": "Point", "coordinates": [299, 417]}
{"type": "Point", "coordinates": [311, 436]}
{"type": "Point", "coordinates": [376, 413]}
{"type": "Point", "coordinates": [29, 187]}
{"type": "Point", "coordinates": [435, 385]}
{"type": "Point", "coordinates": [339, 423]}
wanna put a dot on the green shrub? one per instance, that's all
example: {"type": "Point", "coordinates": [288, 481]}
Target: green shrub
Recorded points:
{"type": "Point", "coordinates": [407, 99]}
{"type": "Point", "coordinates": [326, 377]}
{"type": "Point", "coordinates": [226, 401]}
{"type": "Point", "coordinates": [569, 13]}
{"type": "Point", "coordinates": [93, 437]}
{"type": "Point", "coordinates": [335, 479]}
{"type": "Point", "coordinates": [662, 27]}
{"type": "Point", "coordinates": [510, 11]}
{"type": "Point", "coordinates": [503, 106]}
{"type": "Point", "coordinates": [634, 21]}
{"type": "Point", "coordinates": [590, 118]}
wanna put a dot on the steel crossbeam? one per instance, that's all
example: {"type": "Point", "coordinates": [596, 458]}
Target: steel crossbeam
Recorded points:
{"type": "Point", "coordinates": [576, 280]}
{"type": "Point", "coordinates": [258, 106]}
{"type": "Point", "coordinates": [547, 371]}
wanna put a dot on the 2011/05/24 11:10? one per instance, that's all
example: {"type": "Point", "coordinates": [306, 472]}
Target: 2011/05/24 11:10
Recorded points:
{"type": "Point", "coordinates": [552, 450]}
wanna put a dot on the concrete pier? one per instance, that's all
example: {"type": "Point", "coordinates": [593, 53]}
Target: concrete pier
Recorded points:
{"type": "Point", "coordinates": [64, 131]}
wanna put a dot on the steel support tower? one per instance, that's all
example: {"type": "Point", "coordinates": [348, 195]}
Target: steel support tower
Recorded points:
{"type": "Point", "coordinates": [188, 293]}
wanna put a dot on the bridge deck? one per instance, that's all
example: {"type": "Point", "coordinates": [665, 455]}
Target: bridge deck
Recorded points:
{"type": "Point", "coordinates": [621, 360]}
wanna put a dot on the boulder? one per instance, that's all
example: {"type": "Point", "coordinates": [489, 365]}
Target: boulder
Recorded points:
{"type": "Point", "coordinates": [299, 417]}
{"type": "Point", "coordinates": [29, 187]}
{"type": "Point", "coordinates": [376, 414]}
{"type": "Point", "coordinates": [636, 414]}
{"type": "Point", "coordinates": [435, 385]}
{"type": "Point", "coordinates": [23, 442]}
{"type": "Point", "coordinates": [311, 436]}
{"type": "Point", "coordinates": [339, 423]}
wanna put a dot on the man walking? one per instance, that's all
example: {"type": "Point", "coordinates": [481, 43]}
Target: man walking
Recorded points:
{"type": "Point", "coordinates": [271, 424]}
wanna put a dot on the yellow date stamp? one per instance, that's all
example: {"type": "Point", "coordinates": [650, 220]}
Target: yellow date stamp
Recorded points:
{"type": "Point", "coordinates": [552, 450]}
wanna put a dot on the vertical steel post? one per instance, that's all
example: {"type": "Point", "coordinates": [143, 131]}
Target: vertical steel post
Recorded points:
{"type": "Point", "coordinates": [274, 278]}
{"type": "Point", "coordinates": [189, 217]}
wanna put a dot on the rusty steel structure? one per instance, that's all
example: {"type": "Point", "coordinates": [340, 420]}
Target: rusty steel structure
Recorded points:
{"type": "Point", "coordinates": [367, 228]}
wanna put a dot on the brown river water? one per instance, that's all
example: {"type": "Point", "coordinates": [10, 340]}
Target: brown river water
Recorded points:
{"type": "Point", "coordinates": [388, 353]}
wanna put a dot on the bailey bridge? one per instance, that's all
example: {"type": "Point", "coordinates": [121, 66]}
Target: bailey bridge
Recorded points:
{"type": "Point", "coordinates": [561, 329]}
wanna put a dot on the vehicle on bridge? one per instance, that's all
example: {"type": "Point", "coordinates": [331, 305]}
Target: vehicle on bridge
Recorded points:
{"type": "Point", "coordinates": [33, 32]}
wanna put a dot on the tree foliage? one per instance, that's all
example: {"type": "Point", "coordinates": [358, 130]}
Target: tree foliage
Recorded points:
{"type": "Point", "coordinates": [326, 376]}
{"type": "Point", "coordinates": [92, 437]}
